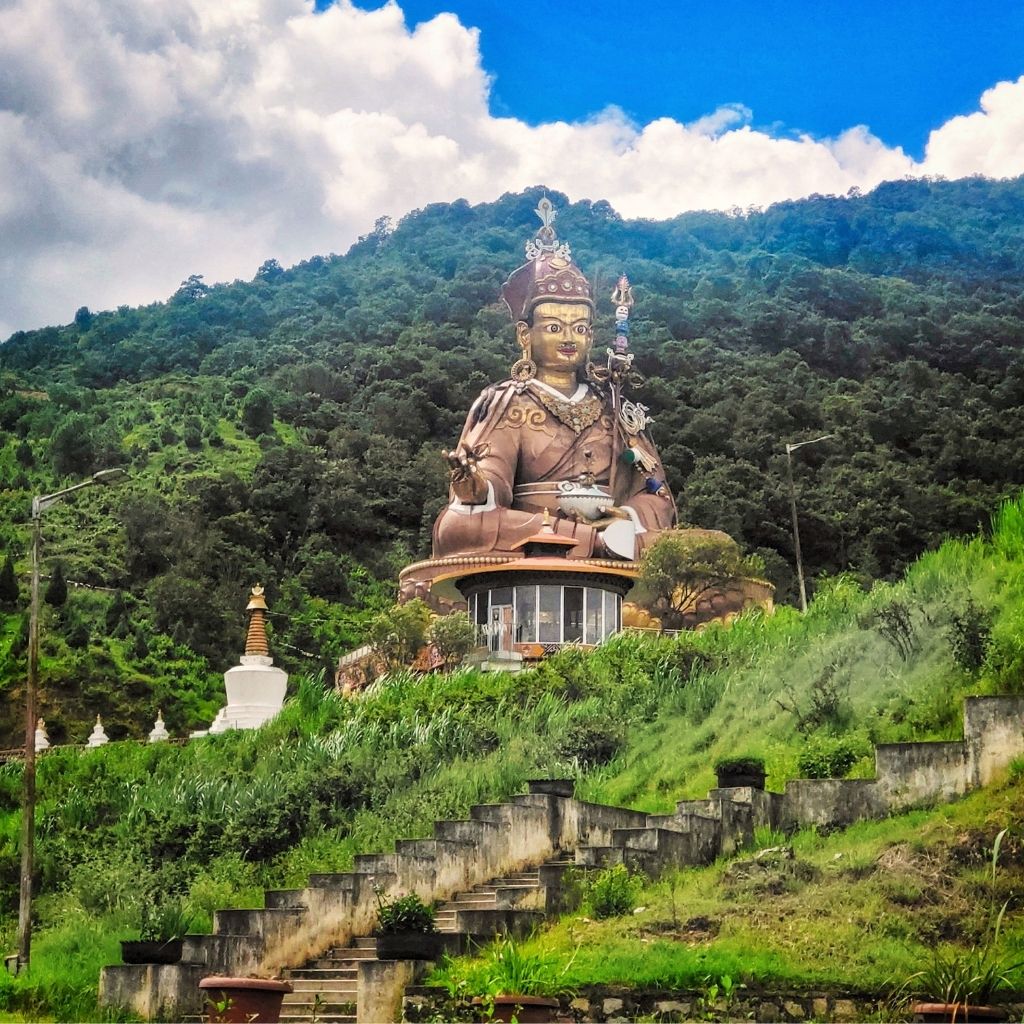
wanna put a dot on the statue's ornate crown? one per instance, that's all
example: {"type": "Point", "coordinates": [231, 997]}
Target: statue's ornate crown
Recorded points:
{"type": "Point", "coordinates": [549, 275]}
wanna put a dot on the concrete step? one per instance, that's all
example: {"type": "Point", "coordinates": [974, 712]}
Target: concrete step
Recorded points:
{"type": "Point", "coordinates": [466, 829]}
{"type": "Point", "coordinates": [344, 958]}
{"type": "Point", "coordinates": [339, 988]}
{"type": "Point", "coordinates": [259, 923]}
{"type": "Point", "coordinates": [284, 899]}
{"type": "Point", "coordinates": [321, 974]}
{"type": "Point", "coordinates": [494, 887]}
{"type": "Point", "coordinates": [338, 999]}
{"type": "Point", "coordinates": [321, 1017]}
{"type": "Point", "coordinates": [321, 1012]}
{"type": "Point", "coordinates": [343, 992]}
{"type": "Point", "coordinates": [469, 902]}
{"type": "Point", "coordinates": [598, 856]}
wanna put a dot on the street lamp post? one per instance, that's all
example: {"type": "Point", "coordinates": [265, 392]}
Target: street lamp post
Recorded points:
{"type": "Point", "coordinates": [790, 448]}
{"type": "Point", "coordinates": [40, 503]}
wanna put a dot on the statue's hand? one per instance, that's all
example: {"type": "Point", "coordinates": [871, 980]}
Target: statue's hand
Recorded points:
{"type": "Point", "coordinates": [467, 481]}
{"type": "Point", "coordinates": [609, 515]}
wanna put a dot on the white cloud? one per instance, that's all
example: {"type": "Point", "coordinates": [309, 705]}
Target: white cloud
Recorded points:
{"type": "Point", "coordinates": [990, 141]}
{"type": "Point", "coordinates": [140, 143]}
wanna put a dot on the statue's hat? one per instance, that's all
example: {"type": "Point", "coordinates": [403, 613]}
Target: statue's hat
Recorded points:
{"type": "Point", "coordinates": [549, 274]}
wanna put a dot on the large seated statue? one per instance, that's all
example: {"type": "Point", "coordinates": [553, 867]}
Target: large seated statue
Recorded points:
{"type": "Point", "coordinates": [556, 443]}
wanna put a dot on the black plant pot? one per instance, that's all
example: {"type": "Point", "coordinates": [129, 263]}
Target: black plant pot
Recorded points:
{"type": "Point", "coordinates": [151, 952]}
{"type": "Point", "coordinates": [409, 945]}
{"type": "Point", "coordinates": [733, 780]}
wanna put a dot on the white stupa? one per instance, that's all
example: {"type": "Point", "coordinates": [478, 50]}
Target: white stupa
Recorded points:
{"type": "Point", "coordinates": [98, 735]}
{"type": "Point", "coordinates": [42, 740]}
{"type": "Point", "coordinates": [159, 733]}
{"type": "Point", "coordinates": [254, 687]}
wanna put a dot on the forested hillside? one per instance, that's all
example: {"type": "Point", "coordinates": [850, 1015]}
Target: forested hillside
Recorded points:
{"type": "Point", "coordinates": [286, 429]}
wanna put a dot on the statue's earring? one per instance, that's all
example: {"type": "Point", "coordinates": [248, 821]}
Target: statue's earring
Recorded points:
{"type": "Point", "coordinates": [524, 370]}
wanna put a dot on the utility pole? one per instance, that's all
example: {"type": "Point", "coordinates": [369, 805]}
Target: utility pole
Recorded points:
{"type": "Point", "coordinates": [40, 503]}
{"type": "Point", "coordinates": [790, 448]}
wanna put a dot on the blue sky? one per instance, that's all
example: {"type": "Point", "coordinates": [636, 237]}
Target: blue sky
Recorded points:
{"type": "Point", "coordinates": [901, 68]}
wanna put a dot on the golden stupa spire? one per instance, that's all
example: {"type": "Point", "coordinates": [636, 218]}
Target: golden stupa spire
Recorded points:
{"type": "Point", "coordinates": [256, 634]}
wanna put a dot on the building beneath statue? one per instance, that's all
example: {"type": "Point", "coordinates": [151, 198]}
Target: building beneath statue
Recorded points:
{"type": "Point", "coordinates": [557, 486]}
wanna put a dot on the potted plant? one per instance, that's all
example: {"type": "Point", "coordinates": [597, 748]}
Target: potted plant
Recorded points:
{"type": "Point", "coordinates": [243, 1000]}
{"type": "Point", "coordinates": [405, 928]}
{"type": "Point", "coordinates": [519, 985]}
{"type": "Point", "coordinates": [161, 927]}
{"type": "Point", "coordinates": [963, 981]}
{"type": "Point", "coordinates": [740, 771]}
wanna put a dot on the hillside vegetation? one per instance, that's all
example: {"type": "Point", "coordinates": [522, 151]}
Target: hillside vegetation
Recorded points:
{"type": "Point", "coordinates": [286, 429]}
{"type": "Point", "coordinates": [638, 722]}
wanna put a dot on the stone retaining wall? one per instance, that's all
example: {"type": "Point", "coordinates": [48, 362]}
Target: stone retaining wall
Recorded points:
{"type": "Point", "coordinates": [611, 1005]}
{"type": "Point", "coordinates": [910, 774]}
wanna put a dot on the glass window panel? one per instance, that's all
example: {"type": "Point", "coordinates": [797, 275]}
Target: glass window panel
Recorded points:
{"type": "Point", "coordinates": [481, 609]}
{"type": "Point", "coordinates": [610, 601]}
{"type": "Point", "coordinates": [501, 595]}
{"type": "Point", "coordinates": [593, 632]}
{"type": "Point", "coordinates": [526, 615]}
{"type": "Point", "coordinates": [572, 618]}
{"type": "Point", "coordinates": [549, 615]}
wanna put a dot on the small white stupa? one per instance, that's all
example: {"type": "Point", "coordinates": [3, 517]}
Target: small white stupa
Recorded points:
{"type": "Point", "coordinates": [159, 733]}
{"type": "Point", "coordinates": [98, 736]}
{"type": "Point", "coordinates": [254, 687]}
{"type": "Point", "coordinates": [42, 740]}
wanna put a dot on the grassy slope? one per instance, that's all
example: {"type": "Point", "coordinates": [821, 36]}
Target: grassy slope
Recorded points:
{"type": "Point", "coordinates": [219, 819]}
{"type": "Point", "coordinates": [861, 909]}
{"type": "Point", "coordinates": [837, 655]}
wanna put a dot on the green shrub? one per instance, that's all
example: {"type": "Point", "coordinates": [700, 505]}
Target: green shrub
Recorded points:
{"type": "Point", "coordinates": [969, 634]}
{"type": "Point", "coordinates": [613, 892]}
{"type": "Point", "coordinates": [406, 913]}
{"type": "Point", "coordinates": [748, 764]}
{"type": "Point", "coordinates": [591, 742]}
{"type": "Point", "coordinates": [162, 921]}
{"type": "Point", "coordinates": [828, 757]}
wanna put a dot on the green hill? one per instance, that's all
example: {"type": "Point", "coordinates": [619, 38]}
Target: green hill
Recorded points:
{"type": "Point", "coordinates": [286, 429]}
{"type": "Point", "coordinates": [638, 721]}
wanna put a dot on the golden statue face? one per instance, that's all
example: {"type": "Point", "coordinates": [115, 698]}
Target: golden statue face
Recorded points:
{"type": "Point", "coordinates": [560, 336]}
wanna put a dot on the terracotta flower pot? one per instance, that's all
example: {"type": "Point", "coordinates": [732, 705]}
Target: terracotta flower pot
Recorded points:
{"type": "Point", "coordinates": [245, 1000]}
{"type": "Point", "coordinates": [957, 1013]}
{"type": "Point", "coordinates": [525, 1009]}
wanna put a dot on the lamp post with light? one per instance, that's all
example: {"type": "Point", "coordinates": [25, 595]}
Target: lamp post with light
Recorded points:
{"type": "Point", "coordinates": [790, 448]}
{"type": "Point", "coordinates": [40, 503]}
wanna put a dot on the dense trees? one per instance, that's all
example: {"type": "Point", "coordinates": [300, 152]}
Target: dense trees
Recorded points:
{"type": "Point", "coordinates": [286, 429]}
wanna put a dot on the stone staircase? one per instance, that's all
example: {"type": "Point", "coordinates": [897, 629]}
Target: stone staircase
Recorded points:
{"type": "Point", "coordinates": [501, 869]}
{"type": "Point", "coordinates": [325, 989]}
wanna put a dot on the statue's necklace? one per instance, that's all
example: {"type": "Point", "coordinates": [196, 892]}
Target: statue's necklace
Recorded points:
{"type": "Point", "coordinates": [575, 415]}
